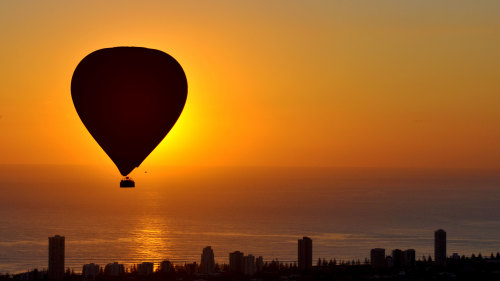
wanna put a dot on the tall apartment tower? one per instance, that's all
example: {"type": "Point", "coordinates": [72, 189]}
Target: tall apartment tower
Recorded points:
{"type": "Point", "coordinates": [440, 246]}
{"type": "Point", "coordinates": [409, 258]}
{"type": "Point", "coordinates": [207, 264]}
{"type": "Point", "coordinates": [377, 258]}
{"type": "Point", "coordinates": [397, 258]}
{"type": "Point", "coordinates": [236, 262]}
{"type": "Point", "coordinates": [114, 269]}
{"type": "Point", "coordinates": [259, 264]}
{"type": "Point", "coordinates": [145, 268]}
{"type": "Point", "coordinates": [249, 267]}
{"type": "Point", "coordinates": [90, 271]}
{"type": "Point", "coordinates": [166, 266]}
{"type": "Point", "coordinates": [305, 254]}
{"type": "Point", "coordinates": [56, 258]}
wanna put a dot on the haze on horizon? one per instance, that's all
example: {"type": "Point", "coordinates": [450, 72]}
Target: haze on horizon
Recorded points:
{"type": "Point", "coordinates": [173, 213]}
{"type": "Point", "coordinates": [297, 83]}
{"type": "Point", "coordinates": [407, 88]}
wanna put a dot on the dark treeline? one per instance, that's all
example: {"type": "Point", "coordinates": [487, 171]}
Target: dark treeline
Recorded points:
{"type": "Point", "coordinates": [475, 267]}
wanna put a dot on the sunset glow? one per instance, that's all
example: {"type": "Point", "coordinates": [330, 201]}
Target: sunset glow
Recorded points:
{"type": "Point", "coordinates": [361, 132]}
{"type": "Point", "coordinates": [318, 83]}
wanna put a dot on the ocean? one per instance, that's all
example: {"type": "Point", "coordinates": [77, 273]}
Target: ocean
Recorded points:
{"type": "Point", "coordinates": [176, 211]}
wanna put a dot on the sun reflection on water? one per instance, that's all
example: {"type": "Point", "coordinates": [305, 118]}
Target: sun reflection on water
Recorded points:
{"type": "Point", "coordinates": [150, 241]}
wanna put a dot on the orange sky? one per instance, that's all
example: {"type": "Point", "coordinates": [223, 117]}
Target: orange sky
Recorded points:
{"type": "Point", "coordinates": [314, 83]}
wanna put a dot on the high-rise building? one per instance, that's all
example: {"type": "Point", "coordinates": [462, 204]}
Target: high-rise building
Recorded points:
{"type": "Point", "coordinates": [207, 264]}
{"type": "Point", "coordinates": [409, 258]}
{"type": "Point", "coordinates": [191, 267]}
{"type": "Point", "coordinates": [145, 268]}
{"type": "Point", "coordinates": [389, 262]}
{"type": "Point", "coordinates": [114, 269]}
{"type": "Point", "coordinates": [305, 253]}
{"type": "Point", "coordinates": [249, 265]}
{"type": "Point", "coordinates": [236, 262]}
{"type": "Point", "coordinates": [397, 256]}
{"type": "Point", "coordinates": [166, 266]}
{"type": "Point", "coordinates": [90, 271]}
{"type": "Point", "coordinates": [56, 258]}
{"type": "Point", "coordinates": [377, 257]}
{"type": "Point", "coordinates": [259, 264]}
{"type": "Point", "coordinates": [440, 247]}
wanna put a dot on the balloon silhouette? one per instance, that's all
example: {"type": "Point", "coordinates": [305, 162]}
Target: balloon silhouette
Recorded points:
{"type": "Point", "coordinates": [128, 98]}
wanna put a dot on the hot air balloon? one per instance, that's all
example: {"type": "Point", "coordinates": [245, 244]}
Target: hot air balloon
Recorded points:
{"type": "Point", "coordinates": [128, 98]}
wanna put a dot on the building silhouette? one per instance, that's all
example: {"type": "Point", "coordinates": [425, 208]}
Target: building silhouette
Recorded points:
{"type": "Point", "coordinates": [56, 258]}
{"type": "Point", "coordinates": [114, 269]}
{"type": "Point", "coordinates": [440, 247]}
{"type": "Point", "coordinates": [236, 262]}
{"type": "Point", "coordinates": [377, 258]}
{"type": "Point", "coordinates": [207, 264]}
{"type": "Point", "coordinates": [166, 266]}
{"type": "Point", "coordinates": [90, 271]}
{"type": "Point", "coordinates": [305, 253]}
{"type": "Point", "coordinates": [409, 258]}
{"type": "Point", "coordinates": [249, 267]}
{"type": "Point", "coordinates": [401, 258]}
{"type": "Point", "coordinates": [397, 256]}
{"type": "Point", "coordinates": [145, 268]}
{"type": "Point", "coordinates": [191, 267]}
{"type": "Point", "coordinates": [389, 262]}
{"type": "Point", "coordinates": [259, 264]}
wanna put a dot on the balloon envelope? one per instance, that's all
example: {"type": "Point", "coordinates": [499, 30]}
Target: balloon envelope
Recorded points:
{"type": "Point", "coordinates": [128, 98]}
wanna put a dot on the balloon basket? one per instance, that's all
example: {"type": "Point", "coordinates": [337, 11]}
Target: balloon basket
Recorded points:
{"type": "Point", "coordinates": [127, 183]}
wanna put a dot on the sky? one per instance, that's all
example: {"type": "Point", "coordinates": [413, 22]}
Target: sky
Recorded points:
{"type": "Point", "coordinates": [385, 84]}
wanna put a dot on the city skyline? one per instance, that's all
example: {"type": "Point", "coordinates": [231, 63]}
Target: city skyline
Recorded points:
{"type": "Point", "coordinates": [241, 264]}
{"type": "Point", "coordinates": [221, 255]}
{"type": "Point", "coordinates": [249, 129]}
{"type": "Point", "coordinates": [248, 264]}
